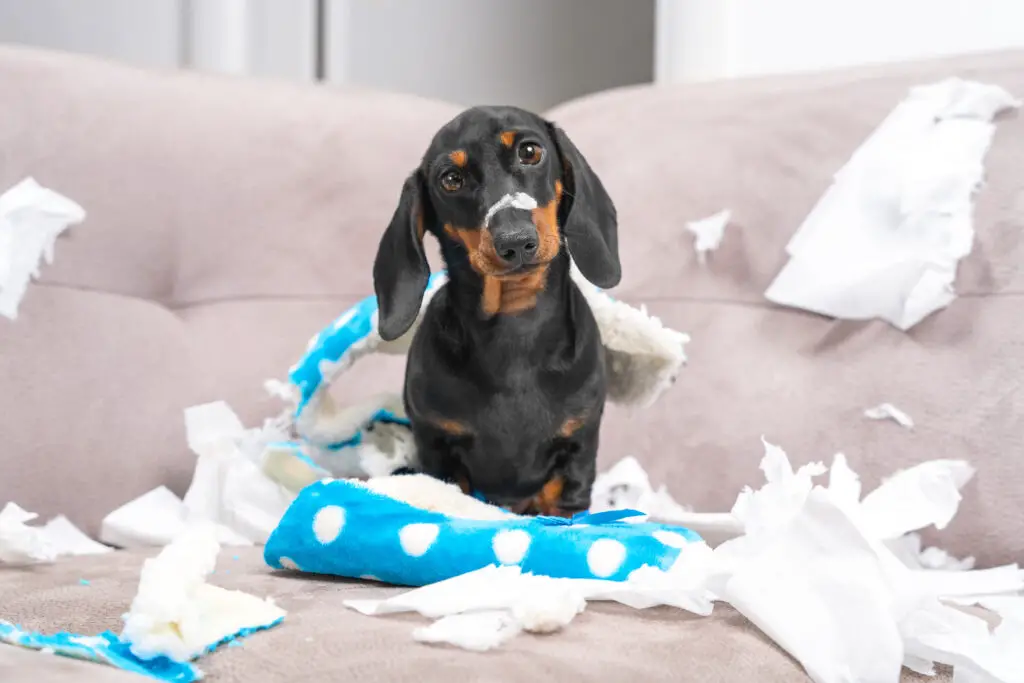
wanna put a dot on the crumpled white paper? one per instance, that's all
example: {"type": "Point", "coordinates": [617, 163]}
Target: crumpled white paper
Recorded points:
{"type": "Point", "coordinates": [228, 488]}
{"type": "Point", "coordinates": [31, 219]}
{"type": "Point", "coordinates": [887, 411]}
{"type": "Point", "coordinates": [885, 239]}
{"type": "Point", "coordinates": [708, 233]}
{"type": "Point", "coordinates": [24, 544]}
{"type": "Point", "coordinates": [482, 609]}
{"type": "Point", "coordinates": [177, 614]}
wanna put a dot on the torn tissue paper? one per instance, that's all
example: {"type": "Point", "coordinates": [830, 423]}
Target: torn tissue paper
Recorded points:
{"type": "Point", "coordinates": [229, 488]}
{"type": "Point", "coordinates": [708, 233]}
{"type": "Point", "coordinates": [24, 544]}
{"type": "Point", "coordinates": [886, 238]}
{"type": "Point", "coordinates": [31, 219]}
{"type": "Point", "coordinates": [626, 485]}
{"type": "Point", "coordinates": [839, 580]}
{"type": "Point", "coordinates": [887, 411]}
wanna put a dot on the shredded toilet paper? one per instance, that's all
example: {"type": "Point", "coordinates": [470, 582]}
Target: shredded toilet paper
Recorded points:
{"type": "Point", "coordinates": [31, 219]}
{"type": "Point", "coordinates": [708, 233]}
{"type": "Point", "coordinates": [23, 544]}
{"type": "Point", "coordinates": [229, 488]}
{"type": "Point", "coordinates": [887, 411]}
{"type": "Point", "coordinates": [886, 238]}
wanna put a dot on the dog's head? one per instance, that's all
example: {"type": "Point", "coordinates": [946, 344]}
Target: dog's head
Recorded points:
{"type": "Point", "coordinates": [504, 190]}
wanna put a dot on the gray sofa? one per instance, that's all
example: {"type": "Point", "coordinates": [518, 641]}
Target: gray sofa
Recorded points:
{"type": "Point", "coordinates": [229, 220]}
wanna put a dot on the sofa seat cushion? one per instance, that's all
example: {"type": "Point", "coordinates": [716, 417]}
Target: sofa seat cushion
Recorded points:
{"type": "Point", "coordinates": [321, 639]}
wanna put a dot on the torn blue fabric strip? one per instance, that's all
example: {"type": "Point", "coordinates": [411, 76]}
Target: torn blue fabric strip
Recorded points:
{"type": "Point", "coordinates": [107, 648]}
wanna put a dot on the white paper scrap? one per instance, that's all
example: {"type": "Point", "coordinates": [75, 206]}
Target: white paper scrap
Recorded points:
{"type": "Point", "coordinates": [708, 232]}
{"type": "Point", "coordinates": [475, 631]}
{"type": "Point", "coordinates": [177, 614]}
{"type": "Point", "coordinates": [21, 543]}
{"type": "Point", "coordinates": [68, 539]}
{"type": "Point", "coordinates": [908, 548]}
{"type": "Point", "coordinates": [815, 586]}
{"type": "Point", "coordinates": [927, 494]}
{"type": "Point", "coordinates": [782, 496]}
{"type": "Point", "coordinates": [626, 485]}
{"type": "Point", "coordinates": [229, 488]}
{"type": "Point", "coordinates": [31, 219]}
{"type": "Point", "coordinates": [24, 544]}
{"type": "Point", "coordinates": [153, 519]}
{"type": "Point", "coordinates": [887, 411]}
{"type": "Point", "coordinates": [885, 239]}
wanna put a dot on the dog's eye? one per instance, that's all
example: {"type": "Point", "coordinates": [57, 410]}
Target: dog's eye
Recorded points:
{"type": "Point", "coordinates": [530, 153]}
{"type": "Point", "coordinates": [451, 181]}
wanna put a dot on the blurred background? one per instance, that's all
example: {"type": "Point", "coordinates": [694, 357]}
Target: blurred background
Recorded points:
{"type": "Point", "coordinates": [534, 53]}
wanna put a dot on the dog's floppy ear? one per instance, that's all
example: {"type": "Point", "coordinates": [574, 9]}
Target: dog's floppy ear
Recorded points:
{"type": "Point", "coordinates": [587, 216]}
{"type": "Point", "coordinates": [401, 271]}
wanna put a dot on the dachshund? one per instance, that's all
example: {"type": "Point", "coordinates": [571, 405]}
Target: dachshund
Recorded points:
{"type": "Point", "coordinates": [505, 383]}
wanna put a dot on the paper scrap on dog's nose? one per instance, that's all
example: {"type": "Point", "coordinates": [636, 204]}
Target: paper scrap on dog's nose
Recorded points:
{"type": "Point", "coordinates": [31, 219]}
{"type": "Point", "coordinates": [885, 239]}
{"type": "Point", "coordinates": [708, 233]}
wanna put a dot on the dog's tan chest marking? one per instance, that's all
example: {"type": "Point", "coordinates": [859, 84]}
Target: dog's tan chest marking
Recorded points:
{"type": "Point", "coordinates": [570, 427]}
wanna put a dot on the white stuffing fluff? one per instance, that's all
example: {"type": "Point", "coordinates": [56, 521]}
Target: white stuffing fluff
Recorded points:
{"type": "Point", "coordinates": [427, 493]}
{"type": "Point", "coordinates": [549, 608]}
{"type": "Point", "coordinates": [177, 614]}
{"type": "Point", "coordinates": [644, 356]}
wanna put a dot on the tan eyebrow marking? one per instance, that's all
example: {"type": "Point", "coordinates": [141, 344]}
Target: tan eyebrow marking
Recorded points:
{"type": "Point", "coordinates": [459, 157]}
{"type": "Point", "coordinates": [508, 138]}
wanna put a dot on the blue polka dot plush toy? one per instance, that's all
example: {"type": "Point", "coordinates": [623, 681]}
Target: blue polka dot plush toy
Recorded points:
{"type": "Point", "coordinates": [363, 530]}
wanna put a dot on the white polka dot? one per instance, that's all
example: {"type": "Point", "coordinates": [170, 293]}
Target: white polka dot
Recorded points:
{"type": "Point", "coordinates": [312, 342]}
{"type": "Point", "coordinates": [416, 539]}
{"type": "Point", "coordinates": [670, 538]}
{"type": "Point", "coordinates": [288, 563]}
{"type": "Point", "coordinates": [328, 368]}
{"type": "Point", "coordinates": [369, 577]}
{"type": "Point", "coordinates": [327, 523]}
{"type": "Point", "coordinates": [510, 546]}
{"type": "Point", "coordinates": [605, 557]}
{"type": "Point", "coordinates": [343, 320]}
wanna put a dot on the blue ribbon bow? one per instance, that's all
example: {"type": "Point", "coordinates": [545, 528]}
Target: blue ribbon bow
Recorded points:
{"type": "Point", "coordinates": [593, 518]}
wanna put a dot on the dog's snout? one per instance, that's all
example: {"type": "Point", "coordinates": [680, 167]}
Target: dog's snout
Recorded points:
{"type": "Point", "coordinates": [517, 246]}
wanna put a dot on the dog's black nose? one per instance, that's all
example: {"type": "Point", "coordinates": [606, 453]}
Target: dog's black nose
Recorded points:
{"type": "Point", "coordinates": [516, 247]}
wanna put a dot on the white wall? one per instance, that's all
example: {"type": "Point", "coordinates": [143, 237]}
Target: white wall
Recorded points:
{"type": "Point", "coordinates": [144, 32]}
{"type": "Point", "coordinates": [708, 39]}
{"type": "Point", "coordinates": [533, 53]}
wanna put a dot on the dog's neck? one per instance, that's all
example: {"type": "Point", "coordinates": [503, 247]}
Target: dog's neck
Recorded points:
{"type": "Point", "coordinates": [527, 305]}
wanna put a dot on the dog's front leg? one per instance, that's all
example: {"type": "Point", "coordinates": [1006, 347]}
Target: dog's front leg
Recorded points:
{"type": "Point", "coordinates": [568, 492]}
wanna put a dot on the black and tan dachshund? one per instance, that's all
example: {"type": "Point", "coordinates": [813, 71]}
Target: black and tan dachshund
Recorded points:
{"type": "Point", "coordinates": [505, 383]}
